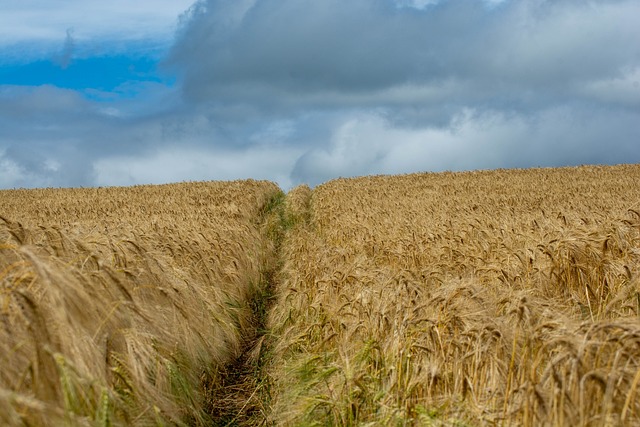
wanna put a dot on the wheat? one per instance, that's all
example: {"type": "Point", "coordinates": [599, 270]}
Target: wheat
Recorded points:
{"type": "Point", "coordinates": [499, 297]}
{"type": "Point", "coordinates": [505, 297]}
{"type": "Point", "coordinates": [118, 304]}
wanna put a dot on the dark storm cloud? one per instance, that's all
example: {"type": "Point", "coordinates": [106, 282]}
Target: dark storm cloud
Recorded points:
{"type": "Point", "coordinates": [315, 52]}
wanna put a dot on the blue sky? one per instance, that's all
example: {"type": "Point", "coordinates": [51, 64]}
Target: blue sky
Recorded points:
{"type": "Point", "coordinates": [104, 73]}
{"type": "Point", "coordinates": [301, 91]}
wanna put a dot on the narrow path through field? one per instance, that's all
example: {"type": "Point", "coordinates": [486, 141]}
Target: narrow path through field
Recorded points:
{"type": "Point", "coordinates": [238, 397]}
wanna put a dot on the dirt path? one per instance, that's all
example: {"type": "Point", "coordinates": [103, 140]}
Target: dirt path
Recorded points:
{"type": "Point", "coordinates": [239, 396]}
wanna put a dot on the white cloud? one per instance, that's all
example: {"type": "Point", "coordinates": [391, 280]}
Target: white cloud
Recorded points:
{"type": "Point", "coordinates": [191, 164]}
{"type": "Point", "coordinates": [494, 3]}
{"type": "Point", "coordinates": [12, 175]}
{"type": "Point", "coordinates": [423, 4]}
{"type": "Point", "coordinates": [556, 42]}
{"type": "Point", "coordinates": [417, 4]}
{"type": "Point", "coordinates": [623, 89]}
{"type": "Point", "coordinates": [369, 144]}
{"type": "Point", "coordinates": [52, 165]}
{"type": "Point", "coordinates": [38, 27]}
{"type": "Point", "coordinates": [473, 140]}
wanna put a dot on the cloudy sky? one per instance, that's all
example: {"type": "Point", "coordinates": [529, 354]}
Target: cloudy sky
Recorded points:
{"type": "Point", "coordinates": [96, 93]}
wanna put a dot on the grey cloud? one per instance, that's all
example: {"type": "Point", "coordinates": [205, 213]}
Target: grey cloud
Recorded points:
{"type": "Point", "coordinates": [390, 84]}
{"type": "Point", "coordinates": [34, 135]}
{"type": "Point", "coordinates": [300, 47]}
{"type": "Point", "coordinates": [295, 49]}
{"type": "Point", "coordinates": [56, 137]}
{"type": "Point", "coordinates": [50, 136]}
{"type": "Point", "coordinates": [64, 57]}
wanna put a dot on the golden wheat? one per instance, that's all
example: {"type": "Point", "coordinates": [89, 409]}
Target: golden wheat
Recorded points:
{"type": "Point", "coordinates": [508, 297]}
{"type": "Point", "coordinates": [504, 297]}
{"type": "Point", "coordinates": [121, 305]}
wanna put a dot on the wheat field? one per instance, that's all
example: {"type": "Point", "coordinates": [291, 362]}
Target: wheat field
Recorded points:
{"type": "Point", "coordinates": [507, 297]}
{"type": "Point", "coordinates": [120, 306]}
